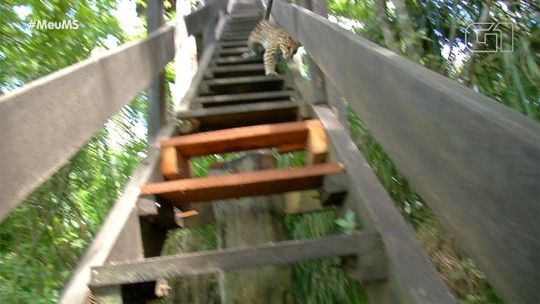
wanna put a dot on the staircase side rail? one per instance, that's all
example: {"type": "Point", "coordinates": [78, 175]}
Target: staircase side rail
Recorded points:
{"type": "Point", "coordinates": [45, 122]}
{"type": "Point", "coordinates": [197, 20]}
{"type": "Point", "coordinates": [475, 161]}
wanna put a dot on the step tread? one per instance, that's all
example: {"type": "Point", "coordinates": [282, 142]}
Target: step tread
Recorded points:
{"type": "Point", "coordinates": [264, 182]}
{"type": "Point", "coordinates": [224, 117]}
{"type": "Point", "coordinates": [207, 262]}
{"type": "Point", "coordinates": [245, 79]}
{"type": "Point", "coordinates": [243, 97]}
{"type": "Point", "coordinates": [248, 108]}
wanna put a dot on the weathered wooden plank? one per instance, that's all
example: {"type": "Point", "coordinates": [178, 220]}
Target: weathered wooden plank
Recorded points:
{"type": "Point", "coordinates": [240, 139]}
{"type": "Point", "coordinates": [156, 104]}
{"type": "Point", "coordinates": [413, 278]}
{"type": "Point", "coordinates": [233, 44]}
{"type": "Point", "coordinates": [239, 59]}
{"type": "Point", "coordinates": [219, 100]}
{"type": "Point", "coordinates": [475, 161]}
{"type": "Point", "coordinates": [263, 182]}
{"type": "Point", "coordinates": [281, 253]}
{"type": "Point", "coordinates": [191, 93]}
{"type": "Point", "coordinates": [251, 221]}
{"type": "Point", "coordinates": [76, 289]}
{"type": "Point", "coordinates": [245, 84]}
{"type": "Point", "coordinates": [197, 20]}
{"type": "Point", "coordinates": [217, 118]}
{"type": "Point", "coordinates": [45, 122]}
{"type": "Point", "coordinates": [238, 70]}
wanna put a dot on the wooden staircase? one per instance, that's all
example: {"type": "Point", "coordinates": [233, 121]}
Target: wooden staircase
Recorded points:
{"type": "Point", "coordinates": [238, 108]}
{"type": "Point", "coordinates": [234, 107]}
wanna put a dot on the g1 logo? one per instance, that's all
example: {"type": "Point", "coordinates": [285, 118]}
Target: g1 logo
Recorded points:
{"type": "Point", "coordinates": [490, 37]}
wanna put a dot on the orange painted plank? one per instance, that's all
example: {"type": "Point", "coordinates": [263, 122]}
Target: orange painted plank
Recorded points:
{"type": "Point", "coordinates": [263, 182]}
{"type": "Point", "coordinates": [188, 214]}
{"type": "Point", "coordinates": [173, 164]}
{"type": "Point", "coordinates": [317, 144]}
{"type": "Point", "coordinates": [240, 139]}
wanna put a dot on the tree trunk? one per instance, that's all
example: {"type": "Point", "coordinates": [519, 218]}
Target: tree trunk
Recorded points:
{"type": "Point", "coordinates": [250, 221]}
{"type": "Point", "coordinates": [452, 39]}
{"type": "Point", "coordinates": [386, 26]}
{"type": "Point", "coordinates": [469, 67]}
{"type": "Point", "coordinates": [411, 44]}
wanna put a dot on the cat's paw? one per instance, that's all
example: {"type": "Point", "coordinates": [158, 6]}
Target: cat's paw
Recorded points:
{"type": "Point", "coordinates": [162, 288]}
{"type": "Point", "coordinates": [271, 73]}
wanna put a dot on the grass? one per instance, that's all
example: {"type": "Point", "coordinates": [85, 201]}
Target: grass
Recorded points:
{"type": "Point", "coordinates": [465, 280]}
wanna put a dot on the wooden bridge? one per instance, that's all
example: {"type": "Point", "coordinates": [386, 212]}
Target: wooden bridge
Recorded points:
{"type": "Point", "coordinates": [476, 162]}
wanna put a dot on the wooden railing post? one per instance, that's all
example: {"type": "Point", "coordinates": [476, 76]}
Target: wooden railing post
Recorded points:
{"type": "Point", "coordinates": [157, 105]}
{"type": "Point", "coordinates": [320, 84]}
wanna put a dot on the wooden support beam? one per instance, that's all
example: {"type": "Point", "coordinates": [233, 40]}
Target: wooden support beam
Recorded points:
{"type": "Point", "coordinates": [151, 210]}
{"type": "Point", "coordinates": [317, 144]}
{"type": "Point", "coordinates": [199, 263]}
{"type": "Point", "coordinates": [262, 182]}
{"type": "Point", "coordinates": [173, 164]}
{"type": "Point", "coordinates": [239, 139]}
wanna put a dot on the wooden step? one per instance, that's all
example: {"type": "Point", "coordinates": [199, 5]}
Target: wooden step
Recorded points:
{"type": "Point", "coordinates": [237, 70]}
{"type": "Point", "coordinates": [239, 60]}
{"type": "Point", "coordinates": [264, 182]}
{"type": "Point", "coordinates": [236, 85]}
{"type": "Point", "coordinates": [245, 16]}
{"type": "Point", "coordinates": [247, 27]}
{"type": "Point", "coordinates": [233, 44]}
{"type": "Point", "coordinates": [272, 254]}
{"type": "Point", "coordinates": [234, 51]}
{"type": "Point", "coordinates": [224, 117]}
{"type": "Point", "coordinates": [245, 138]}
{"type": "Point", "coordinates": [235, 99]}
{"type": "Point", "coordinates": [290, 136]}
{"type": "Point", "coordinates": [234, 38]}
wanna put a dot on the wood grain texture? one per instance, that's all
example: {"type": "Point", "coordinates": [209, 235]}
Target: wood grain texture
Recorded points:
{"type": "Point", "coordinates": [240, 139]}
{"type": "Point", "coordinates": [198, 19]}
{"type": "Point", "coordinates": [262, 182]}
{"type": "Point", "coordinates": [475, 161]}
{"type": "Point", "coordinates": [412, 279]}
{"type": "Point", "coordinates": [281, 253]}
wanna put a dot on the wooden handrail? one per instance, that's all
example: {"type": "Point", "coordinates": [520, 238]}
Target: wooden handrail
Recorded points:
{"type": "Point", "coordinates": [475, 161]}
{"type": "Point", "coordinates": [45, 122]}
{"type": "Point", "coordinates": [197, 20]}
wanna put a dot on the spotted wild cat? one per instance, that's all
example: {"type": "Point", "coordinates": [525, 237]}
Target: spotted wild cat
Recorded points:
{"type": "Point", "coordinates": [274, 42]}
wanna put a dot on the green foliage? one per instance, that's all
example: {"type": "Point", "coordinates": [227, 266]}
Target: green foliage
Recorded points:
{"type": "Point", "coordinates": [347, 224]}
{"type": "Point", "coordinates": [43, 239]}
{"type": "Point", "coordinates": [321, 281]}
{"type": "Point", "coordinates": [27, 54]}
{"type": "Point", "coordinates": [510, 78]}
